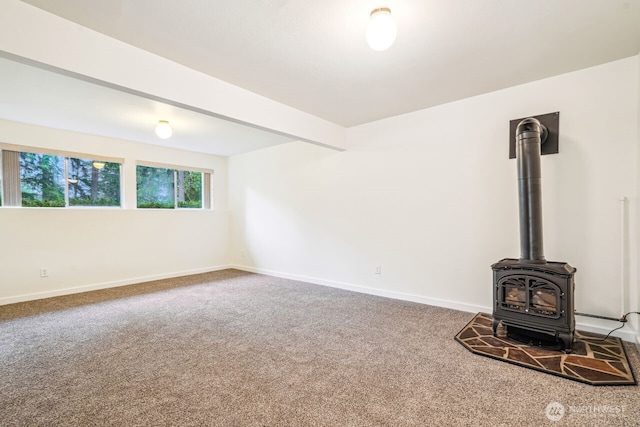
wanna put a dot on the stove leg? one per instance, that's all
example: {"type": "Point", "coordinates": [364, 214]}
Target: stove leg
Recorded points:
{"type": "Point", "coordinates": [567, 341]}
{"type": "Point", "coordinates": [494, 326]}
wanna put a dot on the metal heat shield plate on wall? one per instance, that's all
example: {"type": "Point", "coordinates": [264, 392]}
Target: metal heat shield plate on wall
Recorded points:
{"type": "Point", "coordinates": [551, 121]}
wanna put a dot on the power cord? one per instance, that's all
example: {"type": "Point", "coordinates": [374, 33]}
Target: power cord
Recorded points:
{"type": "Point", "coordinates": [623, 319]}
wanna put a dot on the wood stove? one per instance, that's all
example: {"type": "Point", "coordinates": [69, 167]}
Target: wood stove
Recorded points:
{"type": "Point", "coordinates": [533, 297]}
{"type": "Point", "coordinates": [535, 301]}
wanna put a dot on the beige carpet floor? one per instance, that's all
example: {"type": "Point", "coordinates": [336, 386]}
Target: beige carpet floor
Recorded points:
{"type": "Point", "coordinates": [236, 349]}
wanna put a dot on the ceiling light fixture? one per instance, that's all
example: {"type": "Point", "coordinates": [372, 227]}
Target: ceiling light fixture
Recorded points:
{"type": "Point", "coordinates": [163, 130]}
{"type": "Point", "coordinates": [381, 32]}
{"type": "Point", "coordinates": [98, 165]}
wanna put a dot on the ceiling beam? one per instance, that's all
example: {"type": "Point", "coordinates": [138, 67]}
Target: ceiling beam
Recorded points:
{"type": "Point", "coordinates": [39, 36]}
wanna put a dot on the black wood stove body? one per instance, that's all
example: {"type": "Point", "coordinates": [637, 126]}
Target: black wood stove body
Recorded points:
{"type": "Point", "coordinates": [533, 297]}
{"type": "Point", "coordinates": [535, 300]}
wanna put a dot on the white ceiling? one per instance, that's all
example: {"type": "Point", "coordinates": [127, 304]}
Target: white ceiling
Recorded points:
{"type": "Point", "coordinates": [313, 56]}
{"type": "Point", "coordinates": [38, 96]}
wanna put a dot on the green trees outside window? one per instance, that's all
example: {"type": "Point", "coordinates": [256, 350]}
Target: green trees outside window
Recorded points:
{"type": "Point", "coordinates": [42, 180]}
{"type": "Point", "coordinates": [49, 180]}
{"type": "Point", "coordinates": [189, 189]}
{"type": "Point", "coordinates": [87, 182]}
{"type": "Point", "coordinates": [163, 188]}
{"type": "Point", "coordinates": [37, 179]}
{"type": "Point", "coordinates": [93, 183]}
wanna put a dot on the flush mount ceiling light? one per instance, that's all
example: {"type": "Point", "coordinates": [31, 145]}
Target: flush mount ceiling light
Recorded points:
{"type": "Point", "coordinates": [163, 130]}
{"type": "Point", "coordinates": [98, 165]}
{"type": "Point", "coordinates": [381, 32]}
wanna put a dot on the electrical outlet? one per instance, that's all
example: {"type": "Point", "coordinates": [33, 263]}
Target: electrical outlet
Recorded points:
{"type": "Point", "coordinates": [44, 272]}
{"type": "Point", "coordinates": [378, 269]}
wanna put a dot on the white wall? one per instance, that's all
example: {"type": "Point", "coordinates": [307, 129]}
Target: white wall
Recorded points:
{"type": "Point", "coordinates": [431, 196]}
{"type": "Point", "coordinates": [91, 248]}
{"type": "Point", "coordinates": [636, 319]}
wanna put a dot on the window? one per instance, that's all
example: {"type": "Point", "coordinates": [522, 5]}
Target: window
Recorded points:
{"type": "Point", "coordinates": [154, 187]}
{"type": "Point", "coordinates": [42, 182]}
{"type": "Point", "coordinates": [165, 188]}
{"type": "Point", "coordinates": [93, 183]}
{"type": "Point", "coordinates": [36, 179]}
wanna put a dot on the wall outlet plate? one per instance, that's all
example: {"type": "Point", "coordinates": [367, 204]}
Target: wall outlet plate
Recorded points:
{"type": "Point", "coordinates": [550, 145]}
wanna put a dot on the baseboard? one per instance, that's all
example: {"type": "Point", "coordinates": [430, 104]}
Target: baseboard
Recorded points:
{"type": "Point", "coordinates": [106, 285]}
{"type": "Point", "coordinates": [586, 325]}
{"type": "Point", "coordinates": [370, 291]}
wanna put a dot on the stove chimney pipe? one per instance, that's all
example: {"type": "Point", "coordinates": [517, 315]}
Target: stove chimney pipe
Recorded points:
{"type": "Point", "coordinates": [530, 134]}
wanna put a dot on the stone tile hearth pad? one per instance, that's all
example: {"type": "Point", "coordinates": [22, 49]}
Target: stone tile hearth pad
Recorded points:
{"type": "Point", "coordinates": [591, 361]}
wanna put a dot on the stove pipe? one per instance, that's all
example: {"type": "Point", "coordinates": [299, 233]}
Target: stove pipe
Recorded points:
{"type": "Point", "coordinates": [530, 134]}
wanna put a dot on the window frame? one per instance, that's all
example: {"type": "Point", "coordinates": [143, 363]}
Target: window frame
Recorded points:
{"type": "Point", "coordinates": [206, 177]}
{"type": "Point", "coordinates": [66, 155]}
{"type": "Point", "coordinates": [206, 184]}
